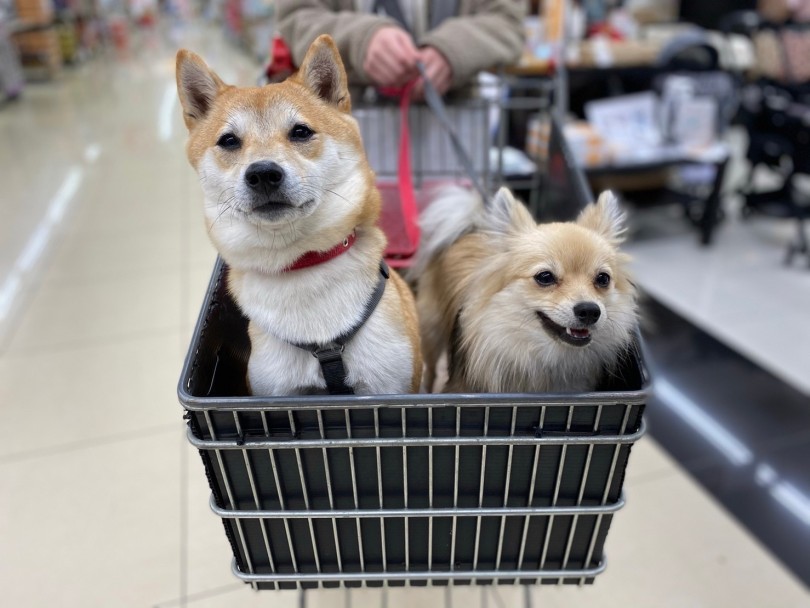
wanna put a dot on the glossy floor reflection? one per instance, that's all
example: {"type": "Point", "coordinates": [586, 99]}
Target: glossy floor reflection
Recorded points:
{"type": "Point", "coordinates": [104, 260]}
{"type": "Point", "coordinates": [741, 431]}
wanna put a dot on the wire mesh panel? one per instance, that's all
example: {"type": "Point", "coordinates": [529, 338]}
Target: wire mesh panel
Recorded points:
{"type": "Point", "coordinates": [432, 155]}
{"type": "Point", "coordinates": [482, 117]}
{"type": "Point", "coordinates": [418, 489]}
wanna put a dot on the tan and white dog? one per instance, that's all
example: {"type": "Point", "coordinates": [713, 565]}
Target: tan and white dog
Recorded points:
{"type": "Point", "coordinates": [521, 306]}
{"type": "Point", "coordinates": [291, 206]}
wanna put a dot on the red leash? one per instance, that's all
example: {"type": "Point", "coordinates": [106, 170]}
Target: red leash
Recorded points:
{"type": "Point", "coordinates": [407, 198]}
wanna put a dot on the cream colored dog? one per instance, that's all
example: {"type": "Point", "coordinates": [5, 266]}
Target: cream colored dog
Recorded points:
{"type": "Point", "coordinates": [521, 306]}
{"type": "Point", "coordinates": [291, 205]}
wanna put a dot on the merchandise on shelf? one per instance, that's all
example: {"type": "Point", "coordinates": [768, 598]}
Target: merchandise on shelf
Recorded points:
{"type": "Point", "coordinates": [34, 11]}
{"type": "Point", "coordinates": [40, 48]}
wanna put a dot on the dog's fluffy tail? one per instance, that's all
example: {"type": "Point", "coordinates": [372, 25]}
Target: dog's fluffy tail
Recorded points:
{"type": "Point", "coordinates": [453, 211]}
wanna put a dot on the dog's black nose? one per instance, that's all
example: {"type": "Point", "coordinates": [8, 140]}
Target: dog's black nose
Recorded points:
{"type": "Point", "coordinates": [264, 176]}
{"type": "Point", "coordinates": [587, 313]}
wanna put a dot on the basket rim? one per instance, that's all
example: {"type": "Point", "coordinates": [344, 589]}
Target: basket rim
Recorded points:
{"type": "Point", "coordinates": [414, 400]}
{"type": "Point", "coordinates": [300, 577]}
{"type": "Point", "coordinates": [544, 511]}
{"type": "Point", "coordinates": [286, 443]}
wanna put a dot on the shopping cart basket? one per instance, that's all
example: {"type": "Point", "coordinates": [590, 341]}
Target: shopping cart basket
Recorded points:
{"type": "Point", "coordinates": [407, 489]}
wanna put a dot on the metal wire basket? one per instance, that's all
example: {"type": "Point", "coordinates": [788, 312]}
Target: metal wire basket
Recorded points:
{"type": "Point", "coordinates": [409, 488]}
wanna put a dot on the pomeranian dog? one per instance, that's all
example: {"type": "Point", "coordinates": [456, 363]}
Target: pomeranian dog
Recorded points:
{"type": "Point", "coordinates": [291, 206]}
{"type": "Point", "coordinates": [520, 306]}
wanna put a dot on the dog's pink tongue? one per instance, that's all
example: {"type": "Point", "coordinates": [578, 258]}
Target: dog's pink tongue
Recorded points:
{"type": "Point", "coordinates": [579, 333]}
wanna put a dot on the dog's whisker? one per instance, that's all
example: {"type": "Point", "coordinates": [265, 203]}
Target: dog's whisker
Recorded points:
{"type": "Point", "coordinates": [226, 206]}
{"type": "Point", "coordinates": [221, 194]}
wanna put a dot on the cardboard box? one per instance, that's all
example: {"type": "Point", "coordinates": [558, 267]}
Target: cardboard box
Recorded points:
{"type": "Point", "coordinates": [587, 146]}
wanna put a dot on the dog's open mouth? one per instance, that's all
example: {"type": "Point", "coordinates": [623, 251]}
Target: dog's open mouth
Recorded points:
{"type": "Point", "coordinates": [570, 335]}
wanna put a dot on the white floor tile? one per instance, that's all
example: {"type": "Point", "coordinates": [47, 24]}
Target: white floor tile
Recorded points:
{"type": "Point", "coordinates": [75, 314]}
{"type": "Point", "coordinates": [96, 527]}
{"type": "Point", "coordinates": [241, 597]}
{"type": "Point", "coordinates": [63, 398]}
{"type": "Point", "coordinates": [114, 255]}
{"type": "Point", "coordinates": [648, 461]}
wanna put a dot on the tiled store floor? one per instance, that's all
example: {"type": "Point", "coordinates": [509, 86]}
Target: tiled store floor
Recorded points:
{"type": "Point", "coordinates": [103, 263]}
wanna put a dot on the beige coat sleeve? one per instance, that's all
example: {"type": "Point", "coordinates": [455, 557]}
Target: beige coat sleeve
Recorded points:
{"type": "Point", "coordinates": [301, 21]}
{"type": "Point", "coordinates": [486, 34]}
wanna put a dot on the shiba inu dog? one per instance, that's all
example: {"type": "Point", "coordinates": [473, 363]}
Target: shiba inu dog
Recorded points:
{"type": "Point", "coordinates": [291, 206]}
{"type": "Point", "coordinates": [521, 306]}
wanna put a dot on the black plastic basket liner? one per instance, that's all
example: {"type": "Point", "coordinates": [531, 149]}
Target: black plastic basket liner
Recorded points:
{"type": "Point", "coordinates": [418, 489]}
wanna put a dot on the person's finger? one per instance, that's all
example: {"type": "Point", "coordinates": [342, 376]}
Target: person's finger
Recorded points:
{"type": "Point", "coordinates": [390, 57]}
{"type": "Point", "coordinates": [389, 70]}
{"type": "Point", "coordinates": [381, 73]}
{"type": "Point", "coordinates": [404, 73]}
{"type": "Point", "coordinates": [405, 60]}
{"type": "Point", "coordinates": [397, 58]}
{"type": "Point", "coordinates": [404, 44]}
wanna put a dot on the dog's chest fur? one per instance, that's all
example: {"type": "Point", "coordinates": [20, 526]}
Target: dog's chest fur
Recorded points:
{"type": "Point", "coordinates": [315, 305]}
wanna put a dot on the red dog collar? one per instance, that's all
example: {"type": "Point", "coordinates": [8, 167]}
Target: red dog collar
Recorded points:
{"type": "Point", "coordinates": [313, 258]}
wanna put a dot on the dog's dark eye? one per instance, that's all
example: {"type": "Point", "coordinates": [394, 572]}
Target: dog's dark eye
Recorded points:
{"type": "Point", "coordinates": [545, 278]}
{"type": "Point", "coordinates": [602, 279]}
{"type": "Point", "coordinates": [301, 133]}
{"type": "Point", "coordinates": [229, 141]}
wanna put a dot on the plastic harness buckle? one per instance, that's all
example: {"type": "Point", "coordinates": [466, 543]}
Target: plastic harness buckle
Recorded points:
{"type": "Point", "coordinates": [329, 352]}
{"type": "Point", "coordinates": [330, 357]}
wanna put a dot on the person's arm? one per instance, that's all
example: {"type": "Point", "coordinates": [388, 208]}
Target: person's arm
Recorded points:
{"type": "Point", "coordinates": [301, 21]}
{"type": "Point", "coordinates": [492, 36]}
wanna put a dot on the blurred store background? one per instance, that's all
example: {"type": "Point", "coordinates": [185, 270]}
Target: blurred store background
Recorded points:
{"type": "Point", "coordinates": [696, 112]}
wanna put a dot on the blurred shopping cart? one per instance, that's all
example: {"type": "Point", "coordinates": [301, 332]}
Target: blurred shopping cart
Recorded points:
{"type": "Point", "coordinates": [415, 149]}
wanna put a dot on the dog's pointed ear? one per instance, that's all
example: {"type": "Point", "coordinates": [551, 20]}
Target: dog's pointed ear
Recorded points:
{"type": "Point", "coordinates": [604, 217]}
{"type": "Point", "coordinates": [197, 86]}
{"type": "Point", "coordinates": [507, 214]}
{"type": "Point", "coordinates": [322, 72]}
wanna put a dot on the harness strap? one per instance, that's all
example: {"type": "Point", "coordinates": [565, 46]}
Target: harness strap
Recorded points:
{"type": "Point", "coordinates": [330, 355]}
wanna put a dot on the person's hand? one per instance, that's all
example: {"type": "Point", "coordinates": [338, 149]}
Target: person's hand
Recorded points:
{"type": "Point", "coordinates": [438, 71]}
{"type": "Point", "coordinates": [391, 57]}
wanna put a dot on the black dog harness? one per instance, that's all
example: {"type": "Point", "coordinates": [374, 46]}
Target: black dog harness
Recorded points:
{"type": "Point", "coordinates": [330, 355]}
